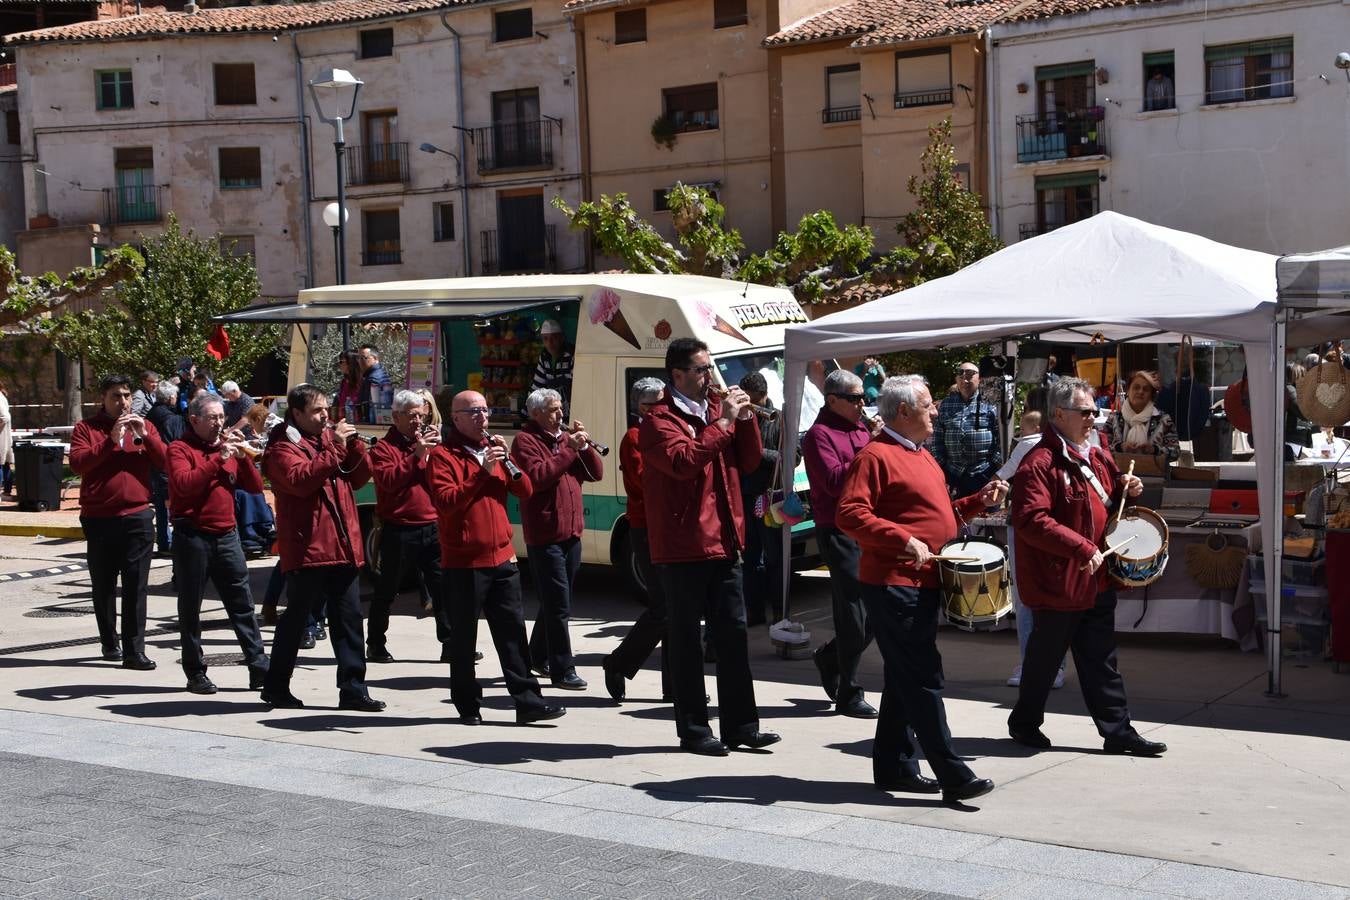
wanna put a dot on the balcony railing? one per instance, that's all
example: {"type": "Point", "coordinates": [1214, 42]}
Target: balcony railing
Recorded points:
{"type": "Point", "coordinates": [504, 253]}
{"type": "Point", "coordinates": [923, 98]}
{"type": "Point", "coordinates": [133, 203]}
{"type": "Point", "coordinates": [377, 164]}
{"type": "Point", "coordinates": [1061, 135]}
{"type": "Point", "coordinates": [840, 114]}
{"type": "Point", "coordinates": [1032, 229]}
{"type": "Point", "coordinates": [8, 74]}
{"type": "Point", "coordinates": [522, 144]}
{"type": "Point", "coordinates": [385, 256]}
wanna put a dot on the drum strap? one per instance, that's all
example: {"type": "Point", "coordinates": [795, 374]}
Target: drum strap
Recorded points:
{"type": "Point", "coordinates": [1090, 475]}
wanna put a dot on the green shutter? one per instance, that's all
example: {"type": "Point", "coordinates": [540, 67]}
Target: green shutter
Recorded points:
{"type": "Point", "coordinates": [1067, 180]}
{"type": "Point", "coordinates": [1068, 70]}
{"type": "Point", "coordinates": [1249, 48]}
{"type": "Point", "coordinates": [1161, 58]}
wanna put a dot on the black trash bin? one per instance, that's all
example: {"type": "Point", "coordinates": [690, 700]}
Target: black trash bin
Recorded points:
{"type": "Point", "coordinates": [37, 471]}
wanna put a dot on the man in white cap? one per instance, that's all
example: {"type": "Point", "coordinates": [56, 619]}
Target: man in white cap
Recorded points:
{"type": "Point", "coordinates": [554, 370]}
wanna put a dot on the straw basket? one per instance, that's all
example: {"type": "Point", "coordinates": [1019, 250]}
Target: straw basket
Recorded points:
{"type": "Point", "coordinates": [1324, 393]}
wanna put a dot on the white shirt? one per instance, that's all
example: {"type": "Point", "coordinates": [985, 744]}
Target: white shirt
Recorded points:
{"type": "Point", "coordinates": [1019, 452]}
{"type": "Point", "coordinates": [689, 406]}
{"type": "Point", "coordinates": [903, 441]}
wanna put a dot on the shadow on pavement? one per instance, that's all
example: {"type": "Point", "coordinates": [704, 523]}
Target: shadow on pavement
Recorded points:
{"type": "Point", "coordinates": [169, 709]}
{"type": "Point", "coordinates": [767, 790]}
{"type": "Point", "coordinates": [352, 724]}
{"type": "Point", "coordinates": [515, 752]}
{"type": "Point", "coordinates": [83, 691]}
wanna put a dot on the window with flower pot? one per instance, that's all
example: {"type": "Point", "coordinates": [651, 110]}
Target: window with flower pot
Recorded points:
{"type": "Point", "coordinates": [691, 108]}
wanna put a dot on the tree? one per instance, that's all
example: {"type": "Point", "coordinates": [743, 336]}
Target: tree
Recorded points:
{"type": "Point", "coordinates": [164, 312]}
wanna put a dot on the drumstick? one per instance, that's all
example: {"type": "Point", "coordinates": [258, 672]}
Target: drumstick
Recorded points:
{"type": "Point", "coordinates": [1124, 500]}
{"type": "Point", "coordinates": [1110, 550]}
{"type": "Point", "coordinates": [955, 558]}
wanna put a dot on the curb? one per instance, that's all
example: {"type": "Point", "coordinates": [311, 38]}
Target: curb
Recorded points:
{"type": "Point", "coordinates": [37, 530]}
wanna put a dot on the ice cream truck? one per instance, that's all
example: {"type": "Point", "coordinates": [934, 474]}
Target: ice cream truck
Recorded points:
{"type": "Point", "coordinates": [483, 334]}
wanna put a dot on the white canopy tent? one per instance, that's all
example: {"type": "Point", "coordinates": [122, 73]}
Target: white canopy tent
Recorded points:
{"type": "Point", "coordinates": [1112, 274]}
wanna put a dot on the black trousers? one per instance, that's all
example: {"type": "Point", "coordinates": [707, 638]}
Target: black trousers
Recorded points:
{"type": "Point", "coordinates": [120, 546]}
{"type": "Point", "coordinates": [1091, 635]}
{"type": "Point", "coordinates": [905, 621]}
{"type": "Point", "coordinates": [713, 586]}
{"type": "Point", "coordinates": [495, 593]}
{"type": "Point", "coordinates": [650, 627]}
{"type": "Point", "coordinates": [197, 556]}
{"type": "Point", "coordinates": [403, 547]}
{"type": "Point", "coordinates": [851, 631]}
{"type": "Point", "coordinates": [555, 568]}
{"type": "Point", "coordinates": [339, 587]}
{"type": "Point", "coordinates": [762, 568]}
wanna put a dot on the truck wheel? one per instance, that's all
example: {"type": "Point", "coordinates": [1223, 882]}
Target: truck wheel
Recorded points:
{"type": "Point", "coordinates": [626, 559]}
{"type": "Point", "coordinates": [371, 528]}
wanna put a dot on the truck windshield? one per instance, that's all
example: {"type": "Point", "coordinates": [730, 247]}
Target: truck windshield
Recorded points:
{"type": "Point", "coordinates": [769, 363]}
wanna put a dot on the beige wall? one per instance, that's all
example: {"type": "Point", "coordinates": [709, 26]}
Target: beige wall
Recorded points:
{"type": "Point", "coordinates": [822, 163]}
{"type": "Point", "coordinates": [11, 175]}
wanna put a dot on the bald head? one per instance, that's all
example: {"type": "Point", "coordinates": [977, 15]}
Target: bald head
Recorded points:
{"type": "Point", "coordinates": [469, 412]}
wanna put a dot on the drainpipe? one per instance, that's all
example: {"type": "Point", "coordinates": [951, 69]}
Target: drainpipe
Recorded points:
{"type": "Point", "coordinates": [991, 89]}
{"type": "Point", "coordinates": [306, 177]}
{"type": "Point", "coordinates": [463, 149]}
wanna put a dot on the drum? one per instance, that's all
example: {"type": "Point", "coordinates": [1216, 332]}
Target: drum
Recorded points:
{"type": "Point", "coordinates": [975, 594]}
{"type": "Point", "coordinates": [1141, 561]}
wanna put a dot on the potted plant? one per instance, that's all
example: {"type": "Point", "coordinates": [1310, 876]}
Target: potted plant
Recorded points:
{"type": "Point", "coordinates": [663, 132]}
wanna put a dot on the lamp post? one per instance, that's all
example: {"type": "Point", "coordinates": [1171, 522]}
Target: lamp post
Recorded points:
{"type": "Point", "coordinates": [463, 201]}
{"type": "Point", "coordinates": [334, 92]}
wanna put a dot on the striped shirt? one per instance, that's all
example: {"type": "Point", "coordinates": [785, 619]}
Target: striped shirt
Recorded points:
{"type": "Point", "coordinates": [554, 373]}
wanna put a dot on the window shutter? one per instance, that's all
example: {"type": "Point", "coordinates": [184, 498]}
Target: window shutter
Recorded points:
{"type": "Point", "coordinates": [1249, 48]}
{"type": "Point", "coordinates": [1067, 180]}
{"type": "Point", "coordinates": [1068, 70]}
{"type": "Point", "coordinates": [1161, 58]}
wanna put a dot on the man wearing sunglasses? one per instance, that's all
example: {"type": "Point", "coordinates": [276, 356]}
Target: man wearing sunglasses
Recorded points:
{"type": "Point", "coordinates": [1062, 500]}
{"type": "Point", "coordinates": [839, 432]}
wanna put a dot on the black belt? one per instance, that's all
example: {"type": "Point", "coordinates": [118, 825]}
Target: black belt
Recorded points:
{"type": "Point", "coordinates": [189, 525]}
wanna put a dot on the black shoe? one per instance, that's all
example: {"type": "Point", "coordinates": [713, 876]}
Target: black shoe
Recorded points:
{"type": "Point", "coordinates": [975, 787]}
{"type": "Point", "coordinates": [139, 662]}
{"type": "Point", "coordinates": [540, 714]}
{"type": "Point", "coordinates": [360, 703]}
{"type": "Point", "coordinates": [478, 656]}
{"type": "Point", "coordinates": [909, 784]}
{"type": "Point", "coordinates": [828, 669]}
{"type": "Point", "coordinates": [755, 741]}
{"type": "Point", "coordinates": [709, 654]}
{"type": "Point", "coordinates": [378, 656]}
{"type": "Point", "coordinates": [112, 654]}
{"type": "Point", "coordinates": [615, 683]}
{"type": "Point", "coordinates": [1029, 737]}
{"type": "Point", "coordinates": [857, 708]}
{"type": "Point", "coordinates": [281, 699]}
{"type": "Point", "coordinates": [445, 653]}
{"type": "Point", "coordinates": [320, 633]}
{"type": "Point", "coordinates": [1135, 745]}
{"type": "Point", "coordinates": [570, 682]}
{"type": "Point", "coordinates": [307, 641]}
{"type": "Point", "coordinates": [470, 719]}
{"type": "Point", "coordinates": [704, 746]}
{"type": "Point", "coordinates": [256, 678]}
{"type": "Point", "coordinates": [200, 684]}
{"type": "Point", "coordinates": [540, 669]}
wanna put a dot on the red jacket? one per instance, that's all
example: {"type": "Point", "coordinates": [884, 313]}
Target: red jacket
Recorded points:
{"type": "Point", "coordinates": [827, 451]}
{"type": "Point", "coordinates": [201, 487]}
{"type": "Point", "coordinates": [630, 466]}
{"type": "Point", "coordinates": [891, 494]}
{"type": "Point", "coordinates": [312, 480]}
{"type": "Point", "coordinates": [471, 505]}
{"type": "Point", "coordinates": [112, 482]}
{"type": "Point", "coordinates": [401, 494]}
{"type": "Point", "coordinates": [553, 512]}
{"type": "Point", "coordinates": [691, 482]}
{"type": "Point", "coordinates": [1053, 525]}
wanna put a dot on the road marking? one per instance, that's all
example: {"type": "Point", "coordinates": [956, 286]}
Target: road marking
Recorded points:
{"type": "Point", "coordinates": [44, 573]}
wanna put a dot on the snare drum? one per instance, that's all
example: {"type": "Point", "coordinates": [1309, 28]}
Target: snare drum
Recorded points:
{"type": "Point", "coordinates": [975, 594]}
{"type": "Point", "coordinates": [1142, 561]}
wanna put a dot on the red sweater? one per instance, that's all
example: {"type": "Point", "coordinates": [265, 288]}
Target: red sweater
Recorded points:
{"type": "Point", "coordinates": [892, 493]}
{"type": "Point", "coordinates": [630, 465]}
{"type": "Point", "coordinates": [201, 487]}
{"type": "Point", "coordinates": [401, 494]}
{"type": "Point", "coordinates": [553, 512]}
{"type": "Point", "coordinates": [112, 482]}
{"type": "Point", "coordinates": [471, 506]}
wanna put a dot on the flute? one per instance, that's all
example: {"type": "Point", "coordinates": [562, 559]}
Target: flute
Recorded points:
{"type": "Point", "coordinates": [594, 444]}
{"type": "Point", "coordinates": [511, 468]}
{"type": "Point", "coordinates": [715, 392]}
{"type": "Point", "coordinates": [370, 441]}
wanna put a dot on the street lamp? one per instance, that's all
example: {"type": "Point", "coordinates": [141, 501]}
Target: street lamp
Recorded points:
{"type": "Point", "coordinates": [334, 92]}
{"type": "Point", "coordinates": [463, 194]}
{"type": "Point", "coordinates": [330, 218]}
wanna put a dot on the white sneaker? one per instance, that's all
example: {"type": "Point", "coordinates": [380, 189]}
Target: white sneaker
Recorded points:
{"type": "Point", "coordinates": [1016, 679]}
{"type": "Point", "coordinates": [1059, 679]}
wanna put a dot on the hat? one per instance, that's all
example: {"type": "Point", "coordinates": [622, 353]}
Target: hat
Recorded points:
{"type": "Point", "coordinates": [550, 326]}
{"type": "Point", "coordinates": [184, 363]}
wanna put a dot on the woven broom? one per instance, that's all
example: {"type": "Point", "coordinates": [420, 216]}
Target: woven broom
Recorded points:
{"type": "Point", "coordinates": [1215, 563]}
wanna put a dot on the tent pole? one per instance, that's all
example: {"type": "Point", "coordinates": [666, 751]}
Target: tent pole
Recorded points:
{"type": "Point", "coordinates": [1274, 551]}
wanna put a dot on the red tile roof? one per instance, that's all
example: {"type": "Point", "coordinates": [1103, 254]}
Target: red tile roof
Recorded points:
{"type": "Point", "coordinates": [231, 20]}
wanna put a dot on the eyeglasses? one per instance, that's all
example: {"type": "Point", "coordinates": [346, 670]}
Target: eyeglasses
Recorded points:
{"type": "Point", "coordinates": [1087, 412]}
{"type": "Point", "coordinates": [967, 373]}
{"type": "Point", "coordinates": [850, 398]}
{"type": "Point", "coordinates": [474, 411]}
{"type": "Point", "coordinates": [698, 370]}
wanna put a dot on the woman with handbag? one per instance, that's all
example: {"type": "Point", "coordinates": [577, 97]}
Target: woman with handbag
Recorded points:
{"type": "Point", "coordinates": [1139, 426]}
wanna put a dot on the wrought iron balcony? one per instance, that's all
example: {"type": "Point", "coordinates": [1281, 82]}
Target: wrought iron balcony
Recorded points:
{"type": "Point", "coordinates": [377, 164]}
{"type": "Point", "coordinates": [516, 252]}
{"type": "Point", "coordinates": [1033, 229]}
{"type": "Point", "coordinates": [134, 203]}
{"type": "Point", "coordinates": [840, 114]}
{"type": "Point", "coordinates": [384, 256]}
{"type": "Point", "coordinates": [520, 144]}
{"type": "Point", "coordinates": [923, 98]}
{"type": "Point", "coordinates": [1079, 132]}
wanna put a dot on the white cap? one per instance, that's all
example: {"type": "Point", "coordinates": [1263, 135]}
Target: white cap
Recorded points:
{"type": "Point", "coordinates": [550, 326]}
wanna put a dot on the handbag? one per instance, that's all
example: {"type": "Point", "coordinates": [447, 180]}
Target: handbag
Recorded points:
{"type": "Point", "coordinates": [1097, 370]}
{"type": "Point", "coordinates": [1237, 405]}
{"type": "Point", "coordinates": [1187, 400]}
{"type": "Point", "coordinates": [1324, 392]}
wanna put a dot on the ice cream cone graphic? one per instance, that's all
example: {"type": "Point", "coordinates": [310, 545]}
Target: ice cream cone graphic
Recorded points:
{"type": "Point", "coordinates": [603, 309]}
{"type": "Point", "coordinates": [717, 323]}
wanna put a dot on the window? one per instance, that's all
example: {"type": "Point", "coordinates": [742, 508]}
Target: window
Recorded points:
{"type": "Point", "coordinates": [1159, 81]}
{"type": "Point", "coordinates": [1256, 70]}
{"type": "Point", "coordinates": [377, 42]}
{"type": "Point", "coordinates": [659, 200]}
{"type": "Point", "coordinates": [692, 108]}
{"type": "Point", "coordinates": [240, 167]}
{"type": "Point", "coordinates": [520, 137]}
{"type": "Point", "coordinates": [443, 221]}
{"type": "Point", "coordinates": [729, 13]}
{"type": "Point", "coordinates": [240, 246]}
{"type": "Point", "coordinates": [1065, 89]}
{"type": "Point", "coordinates": [513, 25]}
{"type": "Point", "coordinates": [923, 78]}
{"type": "Point", "coordinates": [843, 90]}
{"type": "Point", "coordinates": [381, 235]}
{"type": "Point", "coordinates": [234, 84]}
{"type": "Point", "coordinates": [136, 197]}
{"type": "Point", "coordinates": [630, 26]}
{"type": "Point", "coordinates": [114, 90]}
{"type": "Point", "coordinates": [1065, 199]}
{"type": "Point", "coordinates": [12, 126]}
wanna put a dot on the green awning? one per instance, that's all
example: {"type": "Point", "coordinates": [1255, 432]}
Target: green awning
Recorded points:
{"type": "Point", "coordinates": [1067, 180]}
{"type": "Point", "coordinates": [1068, 70]}
{"type": "Point", "coordinates": [1249, 48]}
{"type": "Point", "coordinates": [1160, 58]}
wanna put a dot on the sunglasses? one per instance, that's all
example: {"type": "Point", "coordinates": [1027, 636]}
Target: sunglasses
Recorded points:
{"type": "Point", "coordinates": [851, 398]}
{"type": "Point", "coordinates": [1084, 411]}
{"type": "Point", "coordinates": [698, 370]}
{"type": "Point", "coordinates": [474, 411]}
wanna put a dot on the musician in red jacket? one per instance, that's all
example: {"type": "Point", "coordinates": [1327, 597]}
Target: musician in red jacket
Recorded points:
{"type": "Point", "coordinates": [694, 445]}
{"type": "Point", "coordinates": [407, 520]}
{"type": "Point", "coordinates": [1062, 499]}
{"type": "Point", "coordinates": [205, 468]}
{"type": "Point", "coordinates": [896, 505]}
{"type": "Point", "coordinates": [469, 477]}
{"type": "Point", "coordinates": [113, 451]}
{"type": "Point", "coordinates": [557, 461]}
{"type": "Point", "coordinates": [313, 469]}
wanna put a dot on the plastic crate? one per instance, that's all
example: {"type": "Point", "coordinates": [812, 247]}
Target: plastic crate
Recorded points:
{"type": "Point", "coordinates": [1302, 605]}
{"type": "Point", "coordinates": [1302, 572]}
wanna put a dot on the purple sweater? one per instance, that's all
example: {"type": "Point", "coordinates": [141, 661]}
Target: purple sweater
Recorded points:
{"type": "Point", "coordinates": [828, 450]}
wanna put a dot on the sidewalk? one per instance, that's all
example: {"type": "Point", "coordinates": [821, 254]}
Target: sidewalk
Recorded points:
{"type": "Point", "coordinates": [63, 522]}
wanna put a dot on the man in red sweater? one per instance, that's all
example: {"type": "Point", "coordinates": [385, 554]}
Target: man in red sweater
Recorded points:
{"type": "Point", "coordinates": [112, 451]}
{"type": "Point", "coordinates": [895, 504]}
{"type": "Point", "coordinates": [650, 628]}
{"type": "Point", "coordinates": [468, 477]}
{"type": "Point", "coordinates": [557, 462]}
{"type": "Point", "coordinates": [407, 520]}
{"type": "Point", "coordinates": [693, 452]}
{"type": "Point", "coordinates": [204, 469]}
{"type": "Point", "coordinates": [314, 469]}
